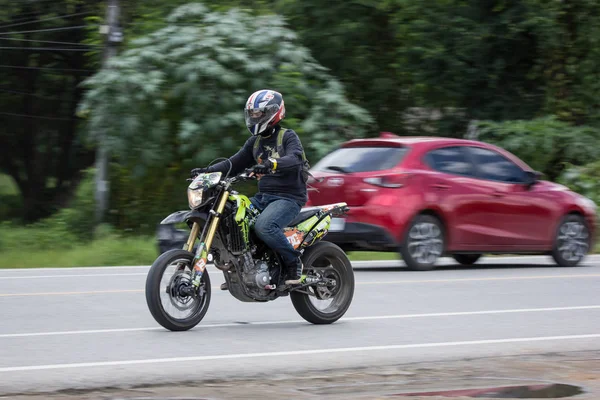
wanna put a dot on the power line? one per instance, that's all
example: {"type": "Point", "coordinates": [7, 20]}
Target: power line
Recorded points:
{"type": "Point", "coordinates": [47, 68]}
{"type": "Point", "coordinates": [45, 49]}
{"type": "Point", "coordinates": [66, 28]}
{"type": "Point", "coordinates": [46, 19]}
{"type": "Point", "coordinates": [26, 16]}
{"type": "Point", "coordinates": [50, 42]}
{"type": "Point", "coordinates": [35, 116]}
{"type": "Point", "coordinates": [29, 94]}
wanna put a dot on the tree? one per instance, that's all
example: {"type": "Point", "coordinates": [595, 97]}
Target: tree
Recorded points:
{"type": "Point", "coordinates": [356, 40]}
{"type": "Point", "coordinates": [501, 60]}
{"type": "Point", "coordinates": [42, 67]}
{"type": "Point", "coordinates": [174, 100]}
{"type": "Point", "coordinates": [178, 93]}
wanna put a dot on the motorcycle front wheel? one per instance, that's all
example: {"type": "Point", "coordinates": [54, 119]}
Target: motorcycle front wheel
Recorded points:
{"type": "Point", "coordinates": [327, 301]}
{"type": "Point", "coordinates": [168, 291]}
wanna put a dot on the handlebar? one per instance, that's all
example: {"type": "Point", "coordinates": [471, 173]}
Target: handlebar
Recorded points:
{"type": "Point", "coordinates": [244, 176]}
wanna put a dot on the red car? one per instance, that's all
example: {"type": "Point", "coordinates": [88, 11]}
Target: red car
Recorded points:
{"type": "Point", "coordinates": [428, 197]}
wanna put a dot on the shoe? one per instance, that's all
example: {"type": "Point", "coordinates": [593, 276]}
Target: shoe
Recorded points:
{"type": "Point", "coordinates": [294, 275]}
{"type": "Point", "coordinates": [224, 286]}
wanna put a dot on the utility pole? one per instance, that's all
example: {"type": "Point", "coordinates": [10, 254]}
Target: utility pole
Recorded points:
{"type": "Point", "coordinates": [114, 36]}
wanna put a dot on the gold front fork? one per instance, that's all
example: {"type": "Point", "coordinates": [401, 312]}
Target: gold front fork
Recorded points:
{"type": "Point", "coordinates": [215, 221]}
{"type": "Point", "coordinates": [202, 252]}
{"type": "Point", "coordinates": [189, 246]}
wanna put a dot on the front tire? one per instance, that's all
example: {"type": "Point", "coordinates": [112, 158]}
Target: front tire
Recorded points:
{"type": "Point", "coordinates": [572, 241]}
{"type": "Point", "coordinates": [328, 260]}
{"type": "Point", "coordinates": [423, 243]}
{"type": "Point", "coordinates": [168, 304]}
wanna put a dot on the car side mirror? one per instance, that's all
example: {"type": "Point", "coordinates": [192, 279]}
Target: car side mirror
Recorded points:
{"type": "Point", "coordinates": [531, 178]}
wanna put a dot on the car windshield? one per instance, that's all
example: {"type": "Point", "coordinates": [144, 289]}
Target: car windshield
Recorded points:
{"type": "Point", "coordinates": [361, 159]}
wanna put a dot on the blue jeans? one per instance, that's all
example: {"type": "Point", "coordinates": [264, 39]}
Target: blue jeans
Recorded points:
{"type": "Point", "coordinates": [276, 213]}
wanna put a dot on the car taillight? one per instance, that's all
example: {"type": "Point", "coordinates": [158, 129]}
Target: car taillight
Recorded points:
{"type": "Point", "coordinates": [389, 181]}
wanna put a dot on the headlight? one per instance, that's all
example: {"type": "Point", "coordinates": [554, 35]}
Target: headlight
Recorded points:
{"type": "Point", "coordinates": [194, 197]}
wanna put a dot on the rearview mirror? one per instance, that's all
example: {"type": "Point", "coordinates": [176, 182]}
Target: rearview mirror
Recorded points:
{"type": "Point", "coordinates": [531, 178]}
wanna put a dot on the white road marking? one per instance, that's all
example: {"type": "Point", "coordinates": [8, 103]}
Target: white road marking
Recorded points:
{"type": "Point", "coordinates": [71, 276]}
{"type": "Point", "coordinates": [365, 318]}
{"type": "Point", "coordinates": [296, 353]}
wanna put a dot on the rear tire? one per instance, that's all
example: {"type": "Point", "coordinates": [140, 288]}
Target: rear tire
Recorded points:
{"type": "Point", "coordinates": [466, 259]}
{"type": "Point", "coordinates": [572, 241]}
{"type": "Point", "coordinates": [154, 290]}
{"type": "Point", "coordinates": [423, 243]}
{"type": "Point", "coordinates": [329, 260]}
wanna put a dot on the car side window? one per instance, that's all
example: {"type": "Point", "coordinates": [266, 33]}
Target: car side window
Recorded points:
{"type": "Point", "coordinates": [450, 160]}
{"type": "Point", "coordinates": [492, 165]}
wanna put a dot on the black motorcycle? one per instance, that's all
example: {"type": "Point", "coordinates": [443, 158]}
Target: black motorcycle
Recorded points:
{"type": "Point", "coordinates": [178, 287]}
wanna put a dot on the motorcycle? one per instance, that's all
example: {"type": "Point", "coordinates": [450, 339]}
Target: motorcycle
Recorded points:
{"type": "Point", "coordinates": [178, 288]}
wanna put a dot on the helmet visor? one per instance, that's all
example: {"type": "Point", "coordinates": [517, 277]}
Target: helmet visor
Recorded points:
{"type": "Point", "coordinates": [259, 116]}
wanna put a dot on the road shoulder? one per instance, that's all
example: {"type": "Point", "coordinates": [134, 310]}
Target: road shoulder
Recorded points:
{"type": "Point", "coordinates": [580, 368]}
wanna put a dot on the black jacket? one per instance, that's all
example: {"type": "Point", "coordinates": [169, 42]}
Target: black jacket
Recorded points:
{"type": "Point", "coordinates": [288, 180]}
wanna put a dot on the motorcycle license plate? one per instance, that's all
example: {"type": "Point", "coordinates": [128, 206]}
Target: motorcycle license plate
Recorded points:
{"type": "Point", "coordinates": [337, 224]}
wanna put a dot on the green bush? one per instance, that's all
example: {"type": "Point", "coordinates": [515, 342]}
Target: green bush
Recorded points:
{"type": "Point", "coordinates": [138, 204]}
{"type": "Point", "coordinates": [66, 228]}
{"type": "Point", "coordinates": [584, 180]}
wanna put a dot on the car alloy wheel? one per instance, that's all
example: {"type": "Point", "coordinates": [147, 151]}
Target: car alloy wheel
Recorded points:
{"type": "Point", "coordinates": [572, 242]}
{"type": "Point", "coordinates": [573, 238]}
{"type": "Point", "coordinates": [424, 243]}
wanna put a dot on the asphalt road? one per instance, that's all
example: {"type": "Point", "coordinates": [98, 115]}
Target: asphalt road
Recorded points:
{"type": "Point", "coordinates": [90, 327]}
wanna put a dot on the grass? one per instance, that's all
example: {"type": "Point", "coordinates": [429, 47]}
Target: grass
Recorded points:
{"type": "Point", "coordinates": [102, 252]}
{"type": "Point", "coordinates": [372, 255]}
{"type": "Point", "coordinates": [113, 252]}
{"type": "Point", "coordinates": [119, 252]}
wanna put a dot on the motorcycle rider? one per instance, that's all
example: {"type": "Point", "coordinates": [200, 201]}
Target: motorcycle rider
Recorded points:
{"type": "Point", "coordinates": [281, 177]}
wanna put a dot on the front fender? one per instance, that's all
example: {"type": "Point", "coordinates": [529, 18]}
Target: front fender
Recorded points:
{"type": "Point", "coordinates": [185, 216]}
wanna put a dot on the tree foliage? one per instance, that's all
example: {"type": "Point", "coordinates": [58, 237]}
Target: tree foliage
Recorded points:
{"type": "Point", "coordinates": [178, 93]}
{"type": "Point", "coordinates": [173, 99]}
{"type": "Point", "coordinates": [355, 39]}
{"type": "Point", "coordinates": [584, 180]}
{"type": "Point", "coordinates": [502, 60]}
{"type": "Point", "coordinates": [39, 93]}
{"type": "Point", "coordinates": [456, 60]}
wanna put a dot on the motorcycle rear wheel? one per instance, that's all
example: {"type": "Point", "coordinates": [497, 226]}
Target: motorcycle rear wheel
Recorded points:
{"type": "Point", "coordinates": [328, 261]}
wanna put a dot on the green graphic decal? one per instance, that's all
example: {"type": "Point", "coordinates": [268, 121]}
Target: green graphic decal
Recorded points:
{"type": "Point", "coordinates": [241, 215]}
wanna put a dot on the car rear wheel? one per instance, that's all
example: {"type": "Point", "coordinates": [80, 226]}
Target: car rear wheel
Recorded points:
{"type": "Point", "coordinates": [572, 241]}
{"type": "Point", "coordinates": [466, 259]}
{"type": "Point", "coordinates": [423, 243]}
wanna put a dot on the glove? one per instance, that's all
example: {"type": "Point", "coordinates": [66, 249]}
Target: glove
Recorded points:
{"type": "Point", "coordinates": [263, 169]}
{"type": "Point", "coordinates": [197, 171]}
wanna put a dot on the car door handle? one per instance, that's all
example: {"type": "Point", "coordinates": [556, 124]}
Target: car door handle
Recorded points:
{"type": "Point", "coordinates": [497, 193]}
{"type": "Point", "coordinates": [440, 186]}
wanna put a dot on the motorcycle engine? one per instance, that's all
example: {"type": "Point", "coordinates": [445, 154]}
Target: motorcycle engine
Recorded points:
{"type": "Point", "coordinates": [256, 275]}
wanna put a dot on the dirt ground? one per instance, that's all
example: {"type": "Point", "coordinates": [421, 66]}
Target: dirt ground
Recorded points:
{"type": "Point", "coordinates": [386, 382]}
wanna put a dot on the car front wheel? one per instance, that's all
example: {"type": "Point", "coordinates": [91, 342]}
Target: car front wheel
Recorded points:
{"type": "Point", "coordinates": [423, 243]}
{"type": "Point", "coordinates": [572, 241]}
